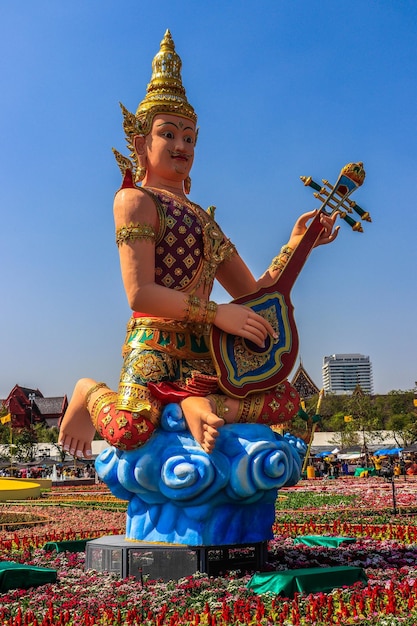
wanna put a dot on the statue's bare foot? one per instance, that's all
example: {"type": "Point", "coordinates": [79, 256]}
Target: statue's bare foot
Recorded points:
{"type": "Point", "coordinates": [203, 423]}
{"type": "Point", "coordinates": [77, 431]}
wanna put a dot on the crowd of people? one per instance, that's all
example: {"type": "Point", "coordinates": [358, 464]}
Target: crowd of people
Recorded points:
{"type": "Point", "coordinates": [60, 472]}
{"type": "Point", "coordinates": [377, 465]}
{"type": "Point", "coordinates": [398, 465]}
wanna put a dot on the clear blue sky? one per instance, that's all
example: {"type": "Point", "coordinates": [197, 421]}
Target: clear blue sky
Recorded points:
{"type": "Point", "coordinates": [283, 88]}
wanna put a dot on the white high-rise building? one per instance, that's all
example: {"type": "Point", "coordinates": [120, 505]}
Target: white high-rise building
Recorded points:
{"type": "Point", "coordinates": [343, 372]}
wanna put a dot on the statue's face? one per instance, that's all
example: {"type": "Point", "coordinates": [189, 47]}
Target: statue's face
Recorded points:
{"type": "Point", "coordinates": [169, 147]}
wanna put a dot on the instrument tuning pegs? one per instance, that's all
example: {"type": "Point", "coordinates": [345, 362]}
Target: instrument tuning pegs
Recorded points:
{"type": "Point", "coordinates": [363, 214]}
{"type": "Point", "coordinates": [335, 197]}
{"type": "Point", "coordinates": [356, 226]}
{"type": "Point", "coordinates": [309, 182]}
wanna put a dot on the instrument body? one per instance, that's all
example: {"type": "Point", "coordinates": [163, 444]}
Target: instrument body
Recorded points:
{"type": "Point", "coordinates": [242, 367]}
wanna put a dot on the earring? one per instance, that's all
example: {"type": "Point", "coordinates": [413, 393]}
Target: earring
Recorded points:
{"type": "Point", "coordinates": [140, 173]}
{"type": "Point", "coordinates": [187, 185]}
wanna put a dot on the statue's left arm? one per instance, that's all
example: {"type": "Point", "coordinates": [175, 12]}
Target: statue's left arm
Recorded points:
{"type": "Point", "coordinates": [237, 279]}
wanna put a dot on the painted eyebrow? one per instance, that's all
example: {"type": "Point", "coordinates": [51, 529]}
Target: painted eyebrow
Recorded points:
{"type": "Point", "coordinates": [175, 125]}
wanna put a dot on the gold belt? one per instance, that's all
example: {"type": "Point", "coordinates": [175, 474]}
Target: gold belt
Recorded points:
{"type": "Point", "coordinates": [178, 339]}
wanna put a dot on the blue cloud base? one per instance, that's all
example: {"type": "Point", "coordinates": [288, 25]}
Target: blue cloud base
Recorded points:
{"type": "Point", "coordinates": [179, 494]}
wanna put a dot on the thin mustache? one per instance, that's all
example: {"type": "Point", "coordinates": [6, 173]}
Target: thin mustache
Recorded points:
{"type": "Point", "coordinates": [180, 154]}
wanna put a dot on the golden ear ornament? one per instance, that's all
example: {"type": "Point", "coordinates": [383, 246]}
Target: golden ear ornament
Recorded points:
{"type": "Point", "coordinates": [187, 185]}
{"type": "Point", "coordinates": [140, 174]}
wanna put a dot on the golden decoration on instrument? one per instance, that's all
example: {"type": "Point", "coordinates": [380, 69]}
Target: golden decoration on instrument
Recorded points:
{"type": "Point", "coordinates": [335, 197]}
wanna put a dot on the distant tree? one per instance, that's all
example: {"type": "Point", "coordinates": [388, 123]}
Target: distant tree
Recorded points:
{"type": "Point", "coordinates": [332, 405]}
{"type": "Point", "coordinates": [24, 441]}
{"type": "Point", "coordinates": [364, 417]}
{"type": "Point", "coordinates": [4, 433]}
{"type": "Point", "coordinates": [394, 403]}
{"type": "Point", "coordinates": [344, 439]}
{"type": "Point", "coordinates": [404, 428]}
{"type": "Point", "coordinates": [50, 435]}
{"type": "Point", "coordinates": [336, 422]}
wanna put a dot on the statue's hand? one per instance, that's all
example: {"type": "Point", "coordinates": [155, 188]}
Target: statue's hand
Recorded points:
{"type": "Point", "coordinates": [328, 234]}
{"type": "Point", "coordinates": [240, 320]}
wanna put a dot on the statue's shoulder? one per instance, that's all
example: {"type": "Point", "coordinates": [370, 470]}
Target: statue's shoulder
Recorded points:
{"type": "Point", "coordinates": [135, 204]}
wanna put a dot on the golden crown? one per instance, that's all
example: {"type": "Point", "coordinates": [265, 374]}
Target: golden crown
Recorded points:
{"type": "Point", "coordinates": [165, 94]}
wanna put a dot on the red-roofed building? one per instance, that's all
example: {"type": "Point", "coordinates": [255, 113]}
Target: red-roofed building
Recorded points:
{"type": "Point", "coordinates": [29, 407]}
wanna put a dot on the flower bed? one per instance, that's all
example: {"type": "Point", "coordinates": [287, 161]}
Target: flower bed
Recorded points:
{"type": "Point", "coordinates": [11, 520]}
{"type": "Point", "coordinates": [386, 548]}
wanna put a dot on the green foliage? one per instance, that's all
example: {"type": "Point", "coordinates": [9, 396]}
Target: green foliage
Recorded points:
{"type": "Point", "coordinates": [394, 411]}
{"type": "Point", "coordinates": [4, 433]}
{"type": "Point", "coordinates": [404, 425]}
{"type": "Point", "coordinates": [305, 500]}
{"type": "Point", "coordinates": [395, 402]}
{"type": "Point", "coordinates": [45, 434]}
{"type": "Point", "coordinates": [19, 443]}
{"type": "Point", "coordinates": [24, 441]}
{"type": "Point", "coordinates": [336, 422]}
{"type": "Point", "coordinates": [333, 405]}
{"type": "Point", "coordinates": [363, 411]}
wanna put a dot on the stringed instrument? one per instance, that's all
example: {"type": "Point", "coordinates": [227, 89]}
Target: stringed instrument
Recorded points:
{"type": "Point", "coordinates": [243, 367]}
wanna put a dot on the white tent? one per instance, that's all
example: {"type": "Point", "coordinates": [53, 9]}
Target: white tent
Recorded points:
{"type": "Point", "coordinates": [352, 456]}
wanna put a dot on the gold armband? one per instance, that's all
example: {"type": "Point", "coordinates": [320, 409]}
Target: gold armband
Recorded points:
{"type": "Point", "coordinates": [134, 232]}
{"type": "Point", "coordinates": [280, 261]}
{"type": "Point", "coordinates": [250, 409]}
{"type": "Point", "coordinates": [102, 401]}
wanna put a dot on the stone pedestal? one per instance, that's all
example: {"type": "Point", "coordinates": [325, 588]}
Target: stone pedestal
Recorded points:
{"type": "Point", "coordinates": [115, 554]}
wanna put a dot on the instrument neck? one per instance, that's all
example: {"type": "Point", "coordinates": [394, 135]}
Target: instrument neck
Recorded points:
{"type": "Point", "coordinates": [297, 259]}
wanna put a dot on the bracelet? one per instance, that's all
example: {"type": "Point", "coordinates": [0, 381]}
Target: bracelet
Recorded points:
{"type": "Point", "coordinates": [280, 261]}
{"type": "Point", "coordinates": [200, 312]}
{"type": "Point", "coordinates": [92, 390]}
{"type": "Point", "coordinates": [211, 310]}
{"type": "Point", "coordinates": [220, 404]}
{"type": "Point", "coordinates": [193, 311]}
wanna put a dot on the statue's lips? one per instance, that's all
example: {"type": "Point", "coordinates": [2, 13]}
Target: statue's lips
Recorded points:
{"type": "Point", "coordinates": [180, 157]}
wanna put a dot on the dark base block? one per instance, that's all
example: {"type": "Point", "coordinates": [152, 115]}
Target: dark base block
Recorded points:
{"type": "Point", "coordinates": [169, 561]}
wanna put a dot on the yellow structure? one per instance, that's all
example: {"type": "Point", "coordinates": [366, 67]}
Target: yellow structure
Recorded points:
{"type": "Point", "coordinates": [18, 489]}
{"type": "Point", "coordinates": [311, 472]}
